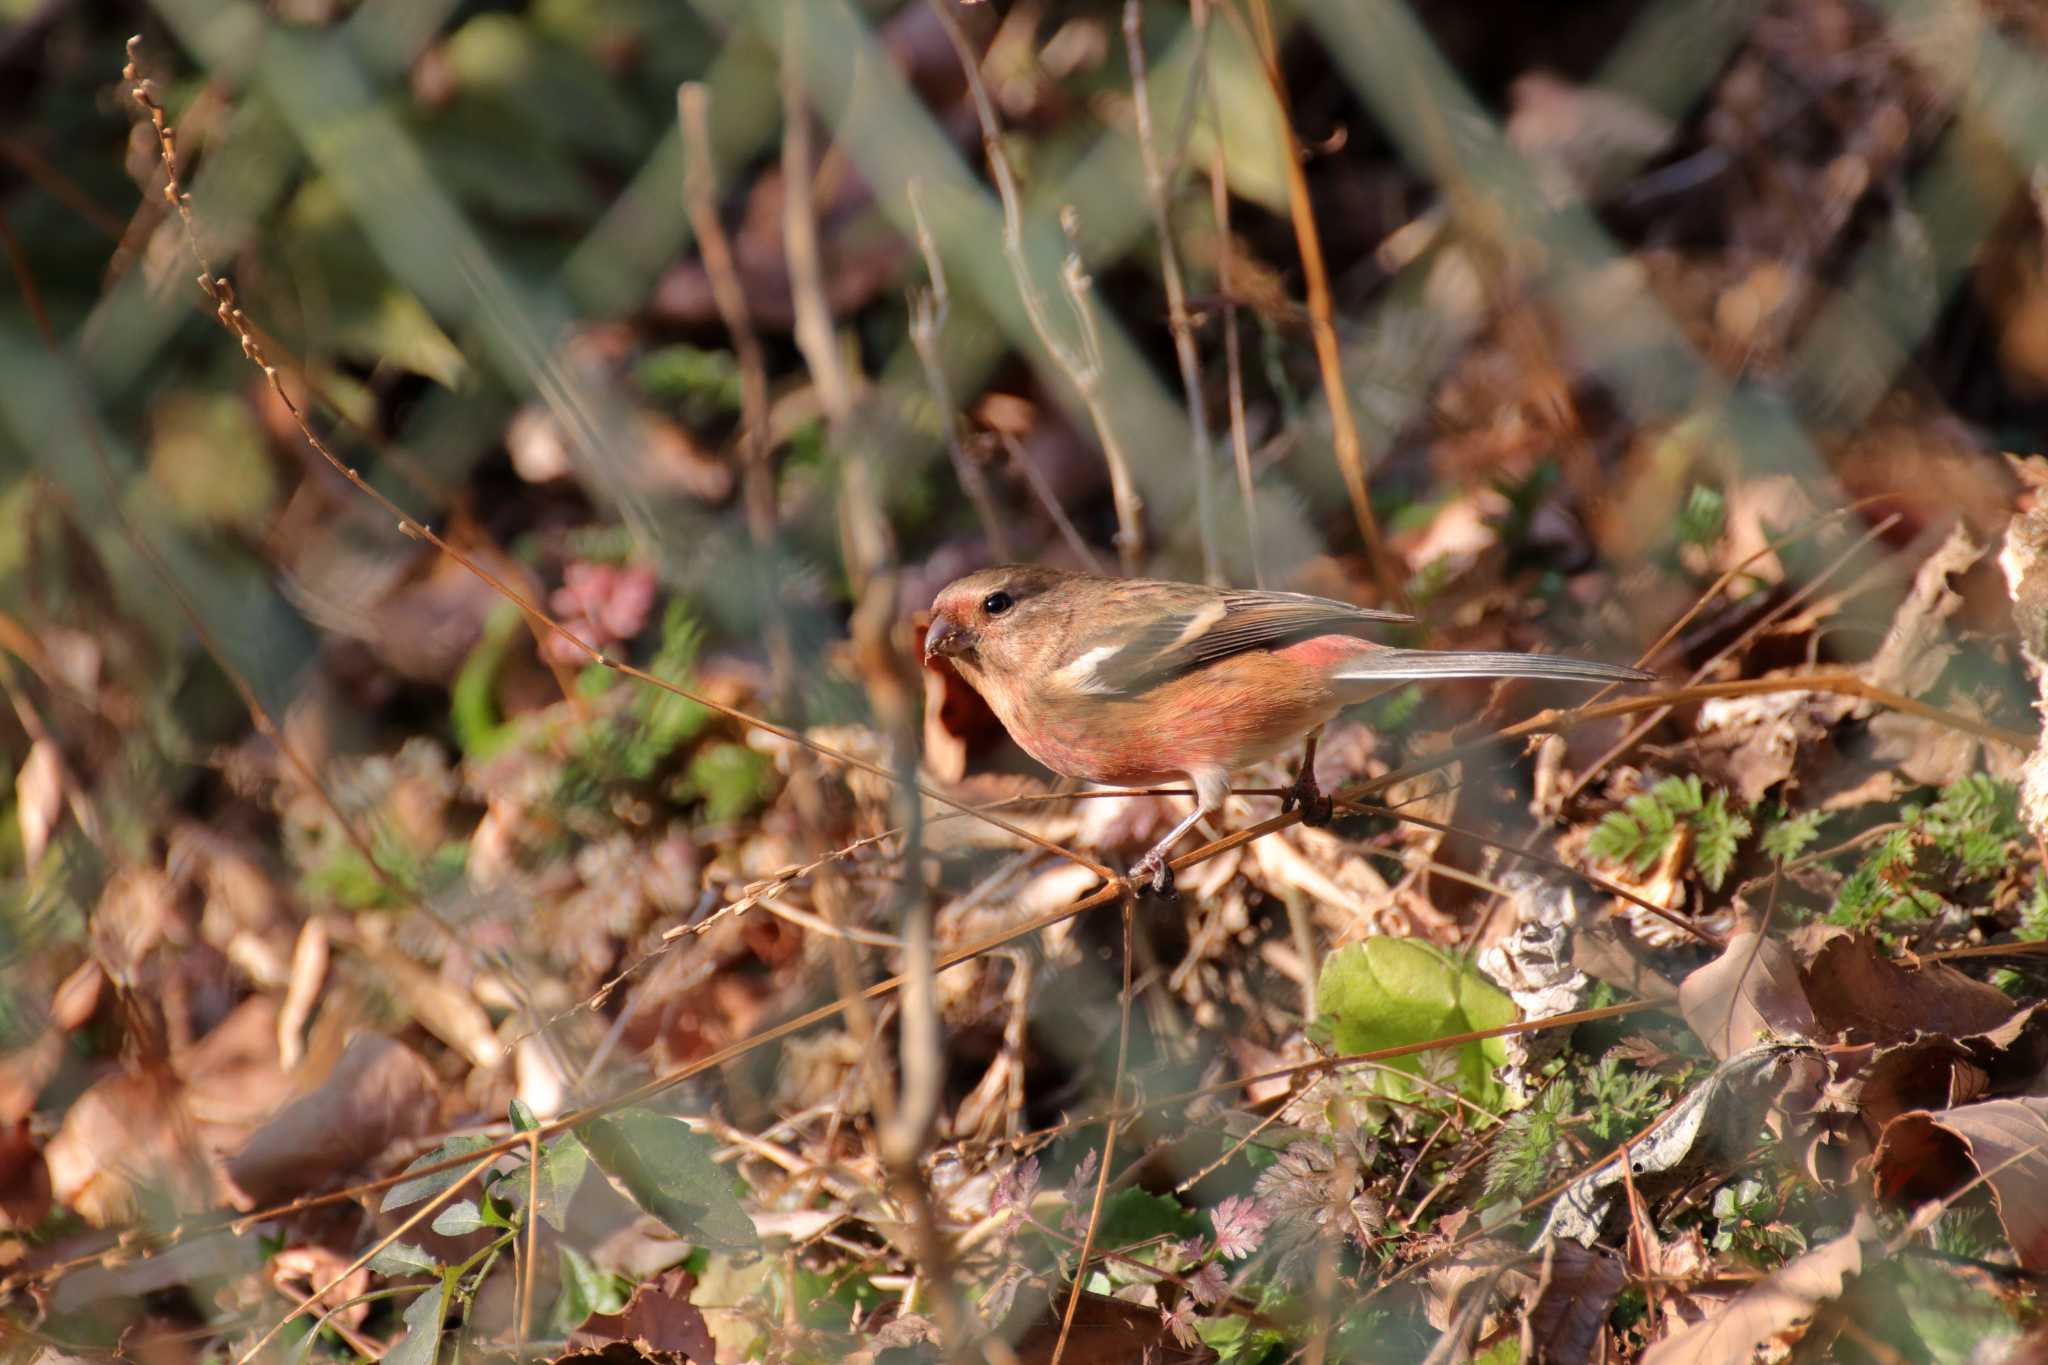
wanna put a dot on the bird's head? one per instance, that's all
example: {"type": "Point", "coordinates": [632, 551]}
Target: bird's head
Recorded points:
{"type": "Point", "coordinates": [995, 619]}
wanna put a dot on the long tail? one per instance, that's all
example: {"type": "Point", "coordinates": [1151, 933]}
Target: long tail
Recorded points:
{"type": "Point", "coordinates": [1407, 665]}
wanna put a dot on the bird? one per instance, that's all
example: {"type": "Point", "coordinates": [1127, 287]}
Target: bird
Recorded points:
{"type": "Point", "coordinates": [1134, 682]}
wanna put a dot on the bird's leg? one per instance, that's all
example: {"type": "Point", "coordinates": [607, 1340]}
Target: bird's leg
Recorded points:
{"type": "Point", "coordinates": [1211, 786]}
{"type": "Point", "coordinates": [1154, 868]}
{"type": "Point", "coordinates": [1316, 808]}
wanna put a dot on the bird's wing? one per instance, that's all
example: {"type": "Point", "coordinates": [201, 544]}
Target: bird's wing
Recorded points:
{"type": "Point", "coordinates": [1199, 626]}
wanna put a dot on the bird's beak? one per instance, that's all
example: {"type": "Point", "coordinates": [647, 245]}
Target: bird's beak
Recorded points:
{"type": "Point", "coordinates": [945, 638]}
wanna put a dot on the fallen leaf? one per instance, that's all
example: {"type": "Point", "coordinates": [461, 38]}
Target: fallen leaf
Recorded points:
{"type": "Point", "coordinates": [379, 1093]}
{"type": "Point", "coordinates": [1710, 1131]}
{"type": "Point", "coordinates": [1862, 996]}
{"type": "Point", "coordinates": [1749, 993]}
{"type": "Point", "coordinates": [1938, 1072]}
{"type": "Point", "coordinates": [1775, 1311]}
{"type": "Point", "coordinates": [1105, 1331]}
{"type": "Point", "coordinates": [1924, 1156]}
{"type": "Point", "coordinates": [659, 1323]}
{"type": "Point", "coordinates": [126, 1135]}
{"type": "Point", "coordinates": [38, 798]}
{"type": "Point", "coordinates": [1565, 1315]}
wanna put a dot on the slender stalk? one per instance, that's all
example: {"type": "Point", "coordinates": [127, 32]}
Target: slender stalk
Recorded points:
{"type": "Point", "coordinates": [1322, 326]}
{"type": "Point", "coordinates": [1081, 364]}
{"type": "Point", "coordinates": [1182, 327]}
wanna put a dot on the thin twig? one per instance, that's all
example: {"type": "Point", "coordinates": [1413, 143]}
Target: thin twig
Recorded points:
{"type": "Point", "coordinates": [929, 308]}
{"type": "Point", "coordinates": [757, 467]}
{"type": "Point", "coordinates": [1322, 325]}
{"type": "Point", "coordinates": [1082, 366]}
{"type": "Point", "coordinates": [1123, 1044]}
{"type": "Point", "coordinates": [1240, 438]}
{"type": "Point", "coordinates": [1042, 490]}
{"type": "Point", "coordinates": [1156, 197]}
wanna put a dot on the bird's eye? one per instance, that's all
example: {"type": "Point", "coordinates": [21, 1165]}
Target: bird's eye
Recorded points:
{"type": "Point", "coordinates": [996, 603]}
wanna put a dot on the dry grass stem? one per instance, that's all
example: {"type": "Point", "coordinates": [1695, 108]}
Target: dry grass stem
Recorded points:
{"type": "Point", "coordinates": [1233, 362]}
{"type": "Point", "coordinates": [929, 308]}
{"type": "Point", "coordinates": [757, 456]}
{"type": "Point", "coordinates": [1116, 1089]}
{"type": "Point", "coordinates": [1021, 460]}
{"type": "Point", "coordinates": [1344, 436]}
{"type": "Point", "coordinates": [1083, 365]}
{"type": "Point", "coordinates": [1157, 198]}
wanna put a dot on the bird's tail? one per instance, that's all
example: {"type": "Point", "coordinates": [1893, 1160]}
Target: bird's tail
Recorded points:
{"type": "Point", "coordinates": [1412, 665]}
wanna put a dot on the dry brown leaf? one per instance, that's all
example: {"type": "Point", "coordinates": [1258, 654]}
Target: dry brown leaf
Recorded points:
{"type": "Point", "coordinates": [659, 1323]}
{"type": "Point", "coordinates": [39, 798]}
{"type": "Point", "coordinates": [302, 990]}
{"type": "Point", "coordinates": [1925, 1156]}
{"type": "Point", "coordinates": [1863, 996]}
{"type": "Point", "coordinates": [1565, 1318]}
{"type": "Point", "coordinates": [1106, 1331]}
{"type": "Point", "coordinates": [442, 1008]}
{"type": "Point", "coordinates": [1705, 1133]}
{"type": "Point", "coordinates": [379, 1092]}
{"type": "Point", "coordinates": [1916, 647]}
{"type": "Point", "coordinates": [125, 1134]}
{"type": "Point", "coordinates": [1749, 993]}
{"type": "Point", "coordinates": [1774, 1312]}
{"type": "Point", "coordinates": [1942, 1072]}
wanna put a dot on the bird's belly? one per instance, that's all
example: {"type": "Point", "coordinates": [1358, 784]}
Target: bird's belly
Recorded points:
{"type": "Point", "coordinates": [1209, 720]}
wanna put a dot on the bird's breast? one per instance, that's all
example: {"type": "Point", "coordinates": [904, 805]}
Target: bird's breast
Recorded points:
{"type": "Point", "coordinates": [1229, 714]}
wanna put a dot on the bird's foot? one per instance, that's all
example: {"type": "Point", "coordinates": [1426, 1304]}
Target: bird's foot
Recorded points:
{"type": "Point", "coordinates": [1316, 808]}
{"type": "Point", "coordinates": [1153, 872]}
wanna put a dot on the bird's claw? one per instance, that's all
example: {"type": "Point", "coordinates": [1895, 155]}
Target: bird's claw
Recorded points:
{"type": "Point", "coordinates": [1154, 872]}
{"type": "Point", "coordinates": [1316, 808]}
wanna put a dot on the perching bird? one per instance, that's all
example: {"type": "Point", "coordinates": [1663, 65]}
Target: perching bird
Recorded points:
{"type": "Point", "coordinates": [1134, 682]}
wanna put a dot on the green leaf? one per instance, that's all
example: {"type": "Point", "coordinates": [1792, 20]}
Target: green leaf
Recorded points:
{"type": "Point", "coordinates": [667, 1170]}
{"type": "Point", "coordinates": [422, 1342]}
{"type": "Point", "coordinates": [585, 1290]}
{"type": "Point", "coordinates": [1719, 831]}
{"type": "Point", "coordinates": [1791, 835]}
{"type": "Point", "coordinates": [425, 1186]}
{"type": "Point", "coordinates": [731, 778]}
{"type": "Point", "coordinates": [563, 1160]}
{"type": "Point", "coordinates": [403, 1258]}
{"type": "Point", "coordinates": [522, 1117]}
{"type": "Point", "coordinates": [1132, 1215]}
{"type": "Point", "coordinates": [459, 1219]}
{"type": "Point", "coordinates": [1388, 992]}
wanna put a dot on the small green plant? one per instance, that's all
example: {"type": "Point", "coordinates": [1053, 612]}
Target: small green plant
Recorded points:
{"type": "Point", "coordinates": [1967, 834]}
{"type": "Point", "coordinates": [1749, 1219]}
{"type": "Point", "coordinates": [1390, 992]}
{"type": "Point", "coordinates": [1531, 1144]}
{"type": "Point", "coordinates": [658, 1161]}
{"type": "Point", "coordinates": [1789, 835]}
{"type": "Point", "coordinates": [2033, 924]}
{"type": "Point", "coordinates": [1701, 519]}
{"type": "Point", "coordinates": [1641, 831]}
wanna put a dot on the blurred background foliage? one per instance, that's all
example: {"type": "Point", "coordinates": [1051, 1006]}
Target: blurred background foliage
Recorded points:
{"type": "Point", "coordinates": [1622, 289]}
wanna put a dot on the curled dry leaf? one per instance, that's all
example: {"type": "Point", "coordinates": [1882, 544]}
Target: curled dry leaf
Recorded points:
{"type": "Point", "coordinates": [1564, 1316]}
{"type": "Point", "coordinates": [1534, 964]}
{"type": "Point", "coordinates": [1775, 1312]}
{"type": "Point", "coordinates": [1862, 996]}
{"type": "Point", "coordinates": [1750, 993]}
{"type": "Point", "coordinates": [380, 1092]}
{"type": "Point", "coordinates": [39, 798]}
{"type": "Point", "coordinates": [1941, 1071]}
{"type": "Point", "coordinates": [125, 1135]}
{"type": "Point", "coordinates": [1924, 1156]}
{"type": "Point", "coordinates": [1711, 1130]}
{"type": "Point", "coordinates": [659, 1323]}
